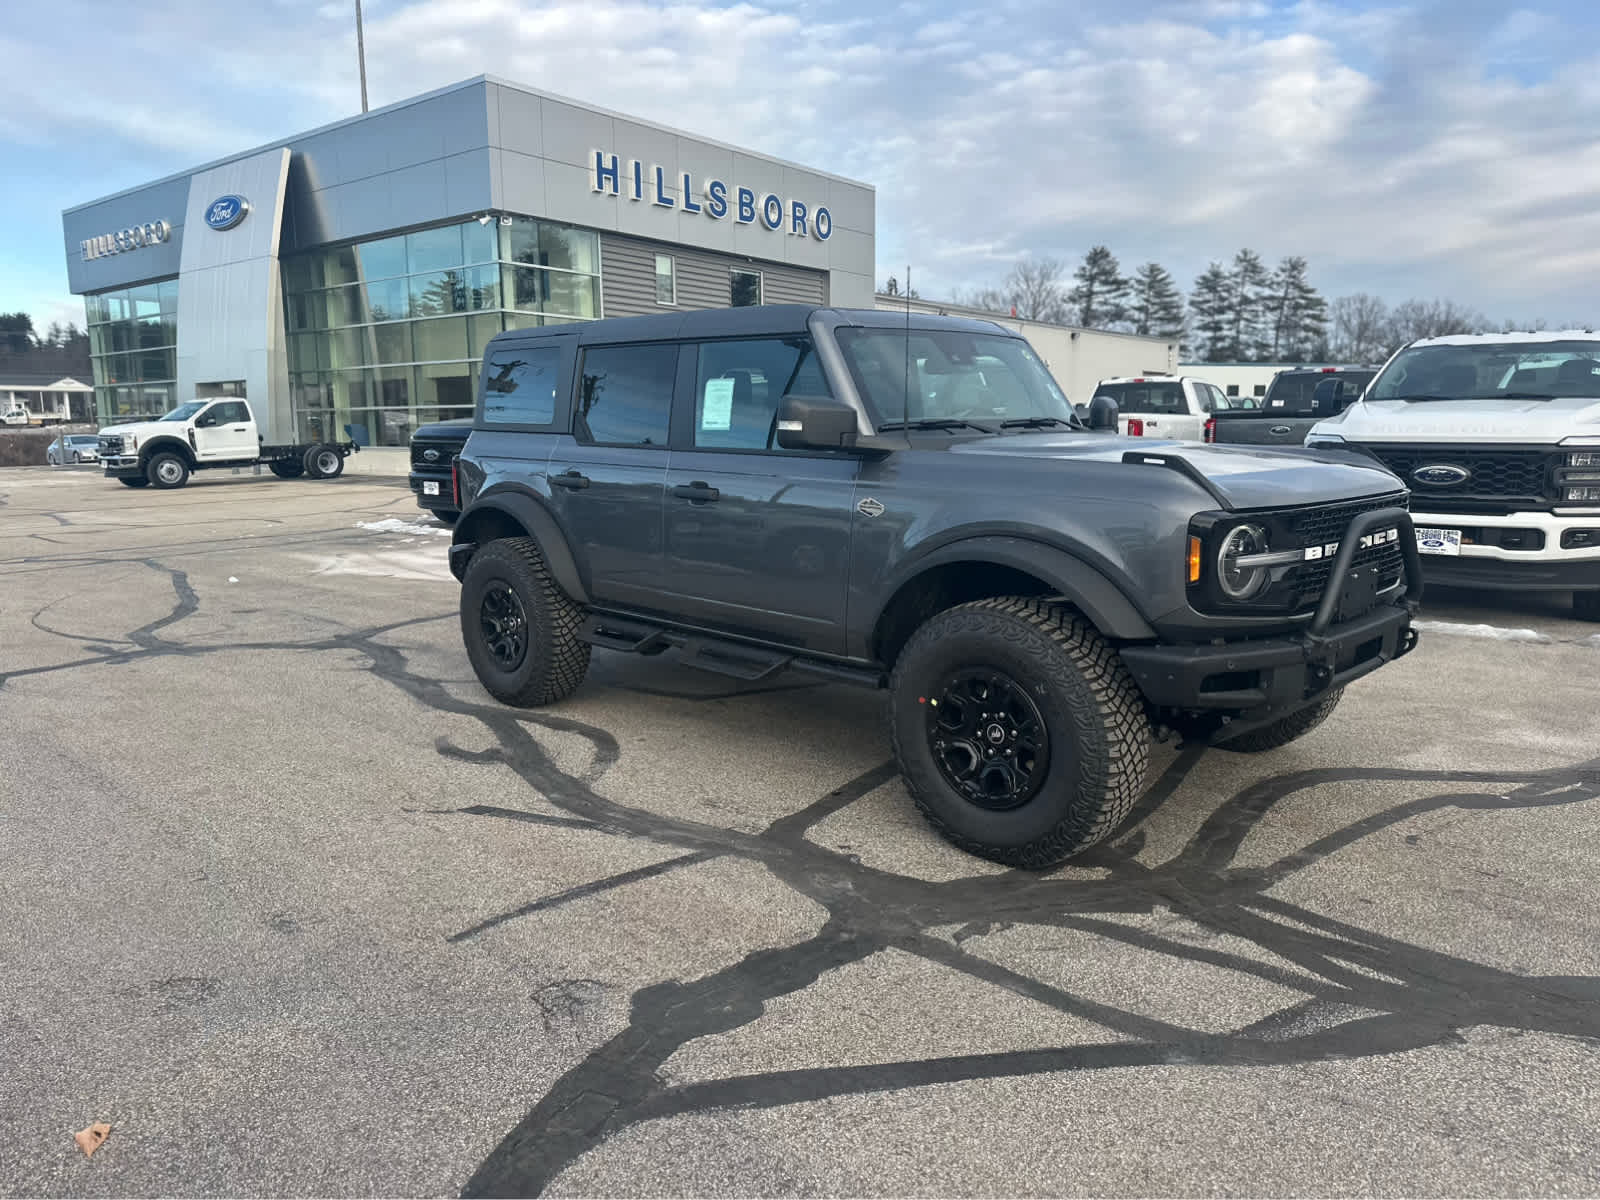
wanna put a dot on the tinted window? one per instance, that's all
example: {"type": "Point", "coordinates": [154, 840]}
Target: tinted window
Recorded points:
{"type": "Point", "coordinates": [626, 395]}
{"type": "Point", "coordinates": [1147, 397]}
{"type": "Point", "coordinates": [519, 386]}
{"type": "Point", "coordinates": [952, 375]}
{"type": "Point", "coordinates": [1538, 369]}
{"type": "Point", "coordinates": [744, 288]}
{"type": "Point", "coordinates": [739, 384]}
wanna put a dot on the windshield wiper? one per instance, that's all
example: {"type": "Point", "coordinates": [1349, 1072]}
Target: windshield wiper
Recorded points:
{"type": "Point", "coordinates": [1523, 396]}
{"type": "Point", "coordinates": [1421, 396]}
{"type": "Point", "coordinates": [1038, 423]}
{"type": "Point", "coordinates": [935, 423]}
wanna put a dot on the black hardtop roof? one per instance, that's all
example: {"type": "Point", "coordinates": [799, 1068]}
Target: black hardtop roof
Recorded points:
{"type": "Point", "coordinates": [748, 321]}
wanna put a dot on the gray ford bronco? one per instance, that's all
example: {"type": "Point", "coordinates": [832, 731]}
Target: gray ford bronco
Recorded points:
{"type": "Point", "coordinates": [910, 502]}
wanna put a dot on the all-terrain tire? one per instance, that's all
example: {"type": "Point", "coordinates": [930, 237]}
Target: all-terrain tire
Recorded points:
{"type": "Point", "coordinates": [1586, 606]}
{"type": "Point", "coordinates": [1098, 733]}
{"type": "Point", "coordinates": [167, 470]}
{"type": "Point", "coordinates": [1285, 729]}
{"type": "Point", "coordinates": [133, 481]}
{"type": "Point", "coordinates": [286, 468]}
{"type": "Point", "coordinates": [323, 461]}
{"type": "Point", "coordinates": [554, 661]}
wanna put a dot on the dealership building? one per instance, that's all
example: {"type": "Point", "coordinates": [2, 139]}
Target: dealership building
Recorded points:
{"type": "Point", "coordinates": [345, 281]}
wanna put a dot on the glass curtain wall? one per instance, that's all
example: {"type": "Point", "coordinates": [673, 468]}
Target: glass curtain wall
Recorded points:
{"type": "Point", "coordinates": [133, 347]}
{"type": "Point", "coordinates": [387, 335]}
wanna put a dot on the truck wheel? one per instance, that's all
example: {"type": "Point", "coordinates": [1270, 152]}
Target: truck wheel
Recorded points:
{"type": "Point", "coordinates": [1285, 729]}
{"type": "Point", "coordinates": [167, 470]}
{"type": "Point", "coordinates": [1586, 606]}
{"type": "Point", "coordinates": [323, 461]}
{"type": "Point", "coordinates": [133, 481]}
{"type": "Point", "coordinates": [520, 628]}
{"type": "Point", "coordinates": [287, 468]}
{"type": "Point", "coordinates": [1020, 734]}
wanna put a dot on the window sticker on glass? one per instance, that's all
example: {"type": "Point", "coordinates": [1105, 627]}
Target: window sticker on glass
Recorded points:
{"type": "Point", "coordinates": [716, 412]}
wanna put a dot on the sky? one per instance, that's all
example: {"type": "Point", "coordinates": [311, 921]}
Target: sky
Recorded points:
{"type": "Point", "coordinates": [1447, 149]}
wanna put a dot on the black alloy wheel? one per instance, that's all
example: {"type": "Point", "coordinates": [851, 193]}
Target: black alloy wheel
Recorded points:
{"type": "Point", "coordinates": [505, 626]}
{"type": "Point", "coordinates": [988, 738]}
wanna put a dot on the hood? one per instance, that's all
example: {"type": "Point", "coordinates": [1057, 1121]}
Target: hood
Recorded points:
{"type": "Point", "coordinates": [144, 429]}
{"type": "Point", "coordinates": [1441, 421]}
{"type": "Point", "coordinates": [1245, 478]}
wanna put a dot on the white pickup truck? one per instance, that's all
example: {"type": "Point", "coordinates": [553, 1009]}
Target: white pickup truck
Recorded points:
{"type": "Point", "coordinates": [1498, 438]}
{"type": "Point", "coordinates": [201, 434]}
{"type": "Point", "coordinates": [1163, 406]}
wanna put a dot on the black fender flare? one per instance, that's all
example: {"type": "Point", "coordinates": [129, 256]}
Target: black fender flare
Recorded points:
{"type": "Point", "coordinates": [1086, 587]}
{"type": "Point", "coordinates": [167, 442]}
{"type": "Point", "coordinates": [529, 512]}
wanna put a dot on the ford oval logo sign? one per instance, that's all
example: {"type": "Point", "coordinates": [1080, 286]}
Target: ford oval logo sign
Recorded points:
{"type": "Point", "coordinates": [1441, 475]}
{"type": "Point", "coordinates": [226, 211]}
{"type": "Point", "coordinates": [431, 455]}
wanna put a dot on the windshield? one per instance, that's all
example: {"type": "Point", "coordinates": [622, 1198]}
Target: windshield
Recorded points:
{"type": "Point", "coordinates": [953, 375]}
{"type": "Point", "coordinates": [1484, 371]}
{"type": "Point", "coordinates": [184, 411]}
{"type": "Point", "coordinates": [1146, 396]}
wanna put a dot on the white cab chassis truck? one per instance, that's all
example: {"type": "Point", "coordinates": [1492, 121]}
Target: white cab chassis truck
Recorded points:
{"type": "Point", "coordinates": [219, 432]}
{"type": "Point", "coordinates": [1498, 438]}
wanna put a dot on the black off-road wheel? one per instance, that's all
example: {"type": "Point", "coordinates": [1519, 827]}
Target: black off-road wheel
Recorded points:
{"type": "Point", "coordinates": [1019, 732]}
{"type": "Point", "coordinates": [1286, 729]}
{"type": "Point", "coordinates": [133, 481]}
{"type": "Point", "coordinates": [286, 468]}
{"type": "Point", "coordinates": [167, 470]}
{"type": "Point", "coordinates": [520, 628]}
{"type": "Point", "coordinates": [1586, 606]}
{"type": "Point", "coordinates": [323, 461]}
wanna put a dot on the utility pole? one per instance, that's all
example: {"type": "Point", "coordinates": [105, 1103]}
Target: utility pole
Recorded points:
{"type": "Point", "coordinates": [361, 57]}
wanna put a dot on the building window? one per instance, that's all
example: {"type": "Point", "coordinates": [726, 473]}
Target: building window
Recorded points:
{"type": "Point", "coordinates": [666, 280]}
{"type": "Point", "coordinates": [1233, 389]}
{"type": "Point", "coordinates": [745, 288]}
{"type": "Point", "coordinates": [387, 335]}
{"type": "Point", "coordinates": [133, 348]}
{"type": "Point", "coordinates": [1261, 389]}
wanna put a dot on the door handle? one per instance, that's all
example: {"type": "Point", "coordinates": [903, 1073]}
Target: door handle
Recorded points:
{"type": "Point", "coordinates": [238, 428]}
{"type": "Point", "coordinates": [570, 479]}
{"type": "Point", "coordinates": [698, 490]}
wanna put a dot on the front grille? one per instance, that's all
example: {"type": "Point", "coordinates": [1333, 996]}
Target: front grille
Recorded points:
{"type": "Point", "coordinates": [1494, 474]}
{"type": "Point", "coordinates": [110, 445]}
{"type": "Point", "coordinates": [445, 456]}
{"type": "Point", "coordinates": [1325, 527]}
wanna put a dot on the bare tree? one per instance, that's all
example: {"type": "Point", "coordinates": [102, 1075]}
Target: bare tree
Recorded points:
{"type": "Point", "coordinates": [1034, 288]}
{"type": "Point", "coordinates": [1414, 319]}
{"type": "Point", "coordinates": [1360, 328]}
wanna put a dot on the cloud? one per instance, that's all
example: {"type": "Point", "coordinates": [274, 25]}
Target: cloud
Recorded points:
{"type": "Point", "coordinates": [1437, 148]}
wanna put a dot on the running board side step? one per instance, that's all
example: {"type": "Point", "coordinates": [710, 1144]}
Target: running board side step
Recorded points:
{"type": "Point", "coordinates": [736, 660]}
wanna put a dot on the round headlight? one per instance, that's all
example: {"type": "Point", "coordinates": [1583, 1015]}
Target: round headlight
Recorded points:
{"type": "Point", "coordinates": [1241, 583]}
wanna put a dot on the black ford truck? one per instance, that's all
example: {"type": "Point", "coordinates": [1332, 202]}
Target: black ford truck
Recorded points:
{"type": "Point", "coordinates": [911, 503]}
{"type": "Point", "coordinates": [433, 456]}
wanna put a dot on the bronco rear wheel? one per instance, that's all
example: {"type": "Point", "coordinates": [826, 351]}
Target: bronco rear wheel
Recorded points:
{"type": "Point", "coordinates": [1019, 732]}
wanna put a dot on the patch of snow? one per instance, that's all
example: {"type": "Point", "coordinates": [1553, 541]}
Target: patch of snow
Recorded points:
{"type": "Point", "coordinates": [388, 564]}
{"type": "Point", "coordinates": [396, 525]}
{"type": "Point", "coordinates": [233, 579]}
{"type": "Point", "coordinates": [1494, 633]}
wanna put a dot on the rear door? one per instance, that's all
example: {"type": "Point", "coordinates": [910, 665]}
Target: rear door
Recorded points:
{"type": "Point", "coordinates": [757, 537]}
{"type": "Point", "coordinates": [607, 476]}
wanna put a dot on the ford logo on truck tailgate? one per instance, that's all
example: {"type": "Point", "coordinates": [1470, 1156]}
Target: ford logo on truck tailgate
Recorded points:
{"type": "Point", "coordinates": [1441, 475]}
{"type": "Point", "coordinates": [226, 211]}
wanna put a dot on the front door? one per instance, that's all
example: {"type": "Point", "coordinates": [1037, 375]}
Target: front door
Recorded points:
{"type": "Point", "coordinates": [225, 432]}
{"type": "Point", "coordinates": [757, 538]}
{"type": "Point", "coordinates": [606, 478]}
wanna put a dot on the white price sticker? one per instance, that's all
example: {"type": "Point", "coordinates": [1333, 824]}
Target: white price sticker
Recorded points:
{"type": "Point", "coordinates": [716, 409]}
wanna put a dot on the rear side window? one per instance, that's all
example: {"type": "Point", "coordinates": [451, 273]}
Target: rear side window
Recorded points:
{"type": "Point", "coordinates": [1146, 397]}
{"type": "Point", "coordinates": [519, 386]}
{"type": "Point", "coordinates": [625, 395]}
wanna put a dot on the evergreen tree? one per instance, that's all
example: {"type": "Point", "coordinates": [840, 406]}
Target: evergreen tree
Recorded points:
{"type": "Point", "coordinates": [1247, 281]}
{"type": "Point", "coordinates": [1099, 299]}
{"type": "Point", "coordinates": [1298, 319]}
{"type": "Point", "coordinates": [1209, 308]}
{"type": "Point", "coordinates": [1156, 307]}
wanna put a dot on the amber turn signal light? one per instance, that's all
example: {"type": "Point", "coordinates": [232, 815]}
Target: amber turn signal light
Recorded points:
{"type": "Point", "coordinates": [1194, 560]}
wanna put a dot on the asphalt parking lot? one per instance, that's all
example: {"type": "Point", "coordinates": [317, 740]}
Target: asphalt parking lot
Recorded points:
{"type": "Point", "coordinates": [297, 909]}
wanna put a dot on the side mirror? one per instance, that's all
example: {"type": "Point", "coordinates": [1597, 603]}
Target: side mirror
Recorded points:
{"type": "Point", "coordinates": [1325, 398]}
{"type": "Point", "coordinates": [1103, 414]}
{"type": "Point", "coordinates": [816, 423]}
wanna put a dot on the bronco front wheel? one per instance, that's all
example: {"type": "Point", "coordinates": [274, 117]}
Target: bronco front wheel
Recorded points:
{"type": "Point", "coordinates": [1019, 732]}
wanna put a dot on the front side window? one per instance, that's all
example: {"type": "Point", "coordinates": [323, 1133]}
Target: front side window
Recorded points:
{"type": "Point", "coordinates": [519, 386]}
{"type": "Point", "coordinates": [625, 395]}
{"type": "Point", "coordinates": [666, 280]}
{"type": "Point", "coordinates": [230, 413]}
{"type": "Point", "coordinates": [739, 385]}
{"type": "Point", "coordinates": [744, 288]}
{"type": "Point", "coordinates": [1532, 370]}
{"type": "Point", "coordinates": [950, 375]}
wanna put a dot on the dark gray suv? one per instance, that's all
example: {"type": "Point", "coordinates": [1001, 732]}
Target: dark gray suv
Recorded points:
{"type": "Point", "coordinates": [912, 503]}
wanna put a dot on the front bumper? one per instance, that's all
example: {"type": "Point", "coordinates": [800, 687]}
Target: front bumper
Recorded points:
{"type": "Point", "coordinates": [446, 495]}
{"type": "Point", "coordinates": [122, 466]}
{"type": "Point", "coordinates": [1549, 568]}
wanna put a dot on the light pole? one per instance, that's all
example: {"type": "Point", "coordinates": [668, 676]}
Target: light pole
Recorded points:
{"type": "Point", "coordinates": [361, 57]}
